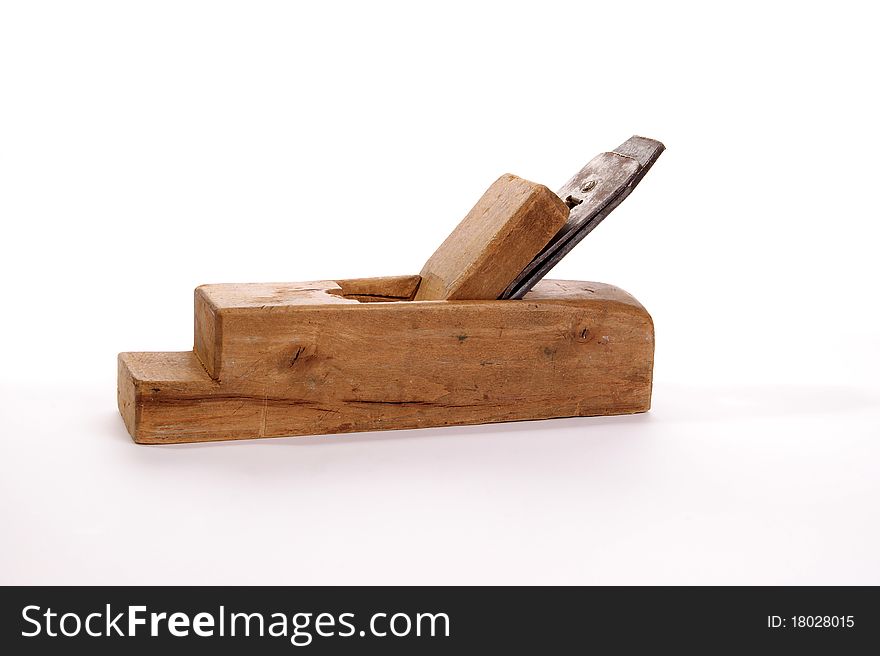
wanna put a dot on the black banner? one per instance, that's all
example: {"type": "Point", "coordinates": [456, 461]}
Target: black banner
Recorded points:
{"type": "Point", "coordinates": [113, 620]}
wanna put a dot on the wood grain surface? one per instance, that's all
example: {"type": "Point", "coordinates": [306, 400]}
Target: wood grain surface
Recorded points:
{"type": "Point", "coordinates": [507, 227]}
{"type": "Point", "coordinates": [309, 358]}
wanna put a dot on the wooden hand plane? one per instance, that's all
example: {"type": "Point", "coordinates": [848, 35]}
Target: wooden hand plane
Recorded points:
{"type": "Point", "coordinates": [478, 336]}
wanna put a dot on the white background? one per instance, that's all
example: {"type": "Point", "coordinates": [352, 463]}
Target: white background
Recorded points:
{"type": "Point", "coordinates": [148, 147]}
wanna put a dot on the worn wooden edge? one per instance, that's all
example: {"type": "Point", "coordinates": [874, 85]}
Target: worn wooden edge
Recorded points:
{"type": "Point", "coordinates": [126, 394]}
{"type": "Point", "coordinates": [208, 331]}
{"type": "Point", "coordinates": [293, 297]}
{"type": "Point", "coordinates": [145, 377]}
